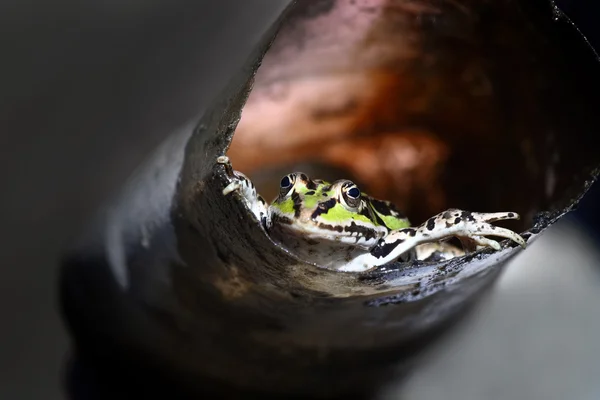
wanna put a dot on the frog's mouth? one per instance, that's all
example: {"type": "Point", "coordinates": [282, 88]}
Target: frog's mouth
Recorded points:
{"type": "Point", "coordinates": [313, 232]}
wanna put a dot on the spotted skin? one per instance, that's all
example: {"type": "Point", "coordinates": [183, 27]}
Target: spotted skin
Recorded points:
{"type": "Point", "coordinates": [334, 225]}
{"type": "Point", "coordinates": [244, 186]}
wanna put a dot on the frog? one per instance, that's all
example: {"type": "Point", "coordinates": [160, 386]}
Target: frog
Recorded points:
{"type": "Point", "coordinates": [335, 225]}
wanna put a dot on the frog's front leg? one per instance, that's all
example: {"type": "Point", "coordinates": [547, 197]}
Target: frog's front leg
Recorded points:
{"type": "Point", "coordinates": [462, 224]}
{"type": "Point", "coordinates": [244, 186]}
{"type": "Point", "coordinates": [469, 226]}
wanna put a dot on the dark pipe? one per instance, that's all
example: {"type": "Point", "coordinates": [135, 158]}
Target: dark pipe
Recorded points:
{"type": "Point", "coordinates": [181, 262]}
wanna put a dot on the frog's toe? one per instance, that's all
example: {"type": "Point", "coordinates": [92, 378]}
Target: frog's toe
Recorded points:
{"type": "Point", "coordinates": [226, 163]}
{"type": "Point", "coordinates": [473, 243]}
{"type": "Point", "coordinates": [223, 160]}
{"type": "Point", "coordinates": [492, 217]}
{"type": "Point", "coordinates": [232, 187]}
{"type": "Point", "coordinates": [490, 230]}
{"type": "Point", "coordinates": [481, 226]}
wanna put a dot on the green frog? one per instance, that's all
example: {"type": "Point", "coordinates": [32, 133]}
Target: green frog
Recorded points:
{"type": "Point", "coordinates": [337, 226]}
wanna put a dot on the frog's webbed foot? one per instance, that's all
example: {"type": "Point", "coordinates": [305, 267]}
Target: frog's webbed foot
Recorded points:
{"type": "Point", "coordinates": [470, 227]}
{"type": "Point", "coordinates": [240, 183]}
{"type": "Point", "coordinates": [478, 225]}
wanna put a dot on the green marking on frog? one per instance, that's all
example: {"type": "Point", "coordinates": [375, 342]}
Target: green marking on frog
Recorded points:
{"type": "Point", "coordinates": [341, 215]}
{"type": "Point", "coordinates": [393, 222]}
{"type": "Point", "coordinates": [286, 206]}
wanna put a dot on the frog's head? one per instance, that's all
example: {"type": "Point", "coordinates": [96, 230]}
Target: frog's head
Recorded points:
{"type": "Point", "coordinates": [317, 210]}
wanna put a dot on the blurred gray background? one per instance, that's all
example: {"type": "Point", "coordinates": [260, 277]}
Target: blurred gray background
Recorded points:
{"type": "Point", "coordinates": [87, 89]}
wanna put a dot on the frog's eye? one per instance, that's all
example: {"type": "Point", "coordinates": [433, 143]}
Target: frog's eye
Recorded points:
{"type": "Point", "coordinates": [351, 195]}
{"type": "Point", "coordinates": [286, 184]}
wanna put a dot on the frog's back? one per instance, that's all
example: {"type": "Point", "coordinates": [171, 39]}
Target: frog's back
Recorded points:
{"type": "Point", "coordinates": [387, 213]}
